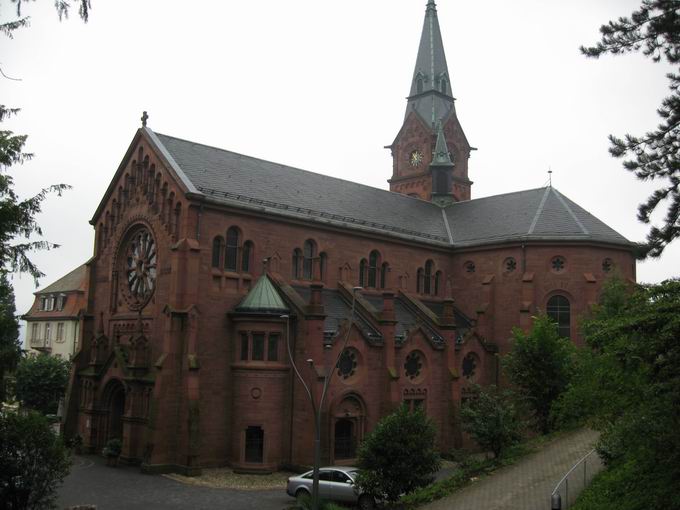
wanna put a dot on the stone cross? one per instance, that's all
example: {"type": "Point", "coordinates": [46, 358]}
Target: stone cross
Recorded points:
{"type": "Point", "coordinates": [145, 117]}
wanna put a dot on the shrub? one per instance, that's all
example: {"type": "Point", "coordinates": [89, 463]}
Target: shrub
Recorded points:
{"type": "Point", "coordinates": [398, 456]}
{"type": "Point", "coordinates": [113, 448]}
{"type": "Point", "coordinates": [492, 418]}
{"type": "Point", "coordinates": [40, 382]}
{"type": "Point", "coordinates": [33, 461]}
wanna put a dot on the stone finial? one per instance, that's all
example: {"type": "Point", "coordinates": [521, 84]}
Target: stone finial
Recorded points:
{"type": "Point", "coordinates": [145, 117]}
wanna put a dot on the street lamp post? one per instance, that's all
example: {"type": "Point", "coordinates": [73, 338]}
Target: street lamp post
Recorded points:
{"type": "Point", "coordinates": [317, 409]}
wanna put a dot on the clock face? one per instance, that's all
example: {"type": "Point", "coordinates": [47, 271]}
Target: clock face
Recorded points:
{"type": "Point", "coordinates": [415, 158]}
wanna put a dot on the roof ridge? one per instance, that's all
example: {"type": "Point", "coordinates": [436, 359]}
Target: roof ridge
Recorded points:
{"type": "Point", "coordinates": [295, 168]}
{"type": "Point", "coordinates": [564, 203]}
{"type": "Point", "coordinates": [539, 210]}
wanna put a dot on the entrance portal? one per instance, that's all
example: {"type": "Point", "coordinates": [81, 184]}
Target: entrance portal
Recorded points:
{"type": "Point", "coordinates": [345, 441]}
{"type": "Point", "coordinates": [116, 407]}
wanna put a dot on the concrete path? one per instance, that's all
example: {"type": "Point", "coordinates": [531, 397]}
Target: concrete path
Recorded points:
{"type": "Point", "coordinates": [526, 485]}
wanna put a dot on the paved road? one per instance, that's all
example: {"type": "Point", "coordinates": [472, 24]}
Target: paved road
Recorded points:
{"type": "Point", "coordinates": [125, 488]}
{"type": "Point", "coordinates": [526, 485]}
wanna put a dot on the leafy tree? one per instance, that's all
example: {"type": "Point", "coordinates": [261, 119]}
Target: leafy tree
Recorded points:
{"type": "Point", "coordinates": [10, 347]}
{"type": "Point", "coordinates": [40, 382]}
{"type": "Point", "coordinates": [630, 388]}
{"type": "Point", "coordinates": [540, 365]}
{"type": "Point", "coordinates": [33, 462]}
{"type": "Point", "coordinates": [398, 456]}
{"type": "Point", "coordinates": [493, 418]}
{"type": "Point", "coordinates": [654, 30]}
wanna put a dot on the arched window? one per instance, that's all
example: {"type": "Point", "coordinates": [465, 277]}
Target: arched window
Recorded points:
{"type": "Point", "coordinates": [297, 263]}
{"type": "Point", "coordinates": [176, 223]}
{"type": "Point", "coordinates": [437, 282]}
{"type": "Point", "coordinates": [217, 252]}
{"type": "Point", "coordinates": [231, 258]}
{"type": "Point", "coordinates": [427, 284]}
{"type": "Point", "coordinates": [559, 310]}
{"type": "Point", "coordinates": [443, 86]}
{"type": "Point", "coordinates": [247, 257]}
{"type": "Point", "coordinates": [323, 265]}
{"type": "Point", "coordinates": [384, 269]}
{"type": "Point", "coordinates": [309, 252]}
{"type": "Point", "coordinates": [362, 272]}
{"type": "Point", "coordinates": [419, 280]}
{"type": "Point", "coordinates": [419, 85]}
{"type": "Point", "coordinates": [373, 262]}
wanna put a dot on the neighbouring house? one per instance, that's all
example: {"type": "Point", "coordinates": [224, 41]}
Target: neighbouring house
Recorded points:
{"type": "Point", "coordinates": [207, 264]}
{"type": "Point", "coordinates": [53, 322]}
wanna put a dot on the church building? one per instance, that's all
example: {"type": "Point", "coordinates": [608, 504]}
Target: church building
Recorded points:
{"type": "Point", "coordinates": [209, 264]}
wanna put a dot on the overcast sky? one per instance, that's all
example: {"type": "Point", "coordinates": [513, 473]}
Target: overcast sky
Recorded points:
{"type": "Point", "coordinates": [321, 85]}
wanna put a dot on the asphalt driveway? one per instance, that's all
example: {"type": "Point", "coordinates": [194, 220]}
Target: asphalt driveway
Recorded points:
{"type": "Point", "coordinates": [125, 488]}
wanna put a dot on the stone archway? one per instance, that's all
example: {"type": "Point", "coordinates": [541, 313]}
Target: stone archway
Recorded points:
{"type": "Point", "coordinates": [348, 421]}
{"type": "Point", "coordinates": [114, 403]}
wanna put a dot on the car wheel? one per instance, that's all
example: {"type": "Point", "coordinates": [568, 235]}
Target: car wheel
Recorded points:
{"type": "Point", "coordinates": [301, 496]}
{"type": "Point", "coordinates": [366, 502]}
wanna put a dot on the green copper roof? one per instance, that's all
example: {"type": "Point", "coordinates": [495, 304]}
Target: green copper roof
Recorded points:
{"type": "Point", "coordinates": [263, 298]}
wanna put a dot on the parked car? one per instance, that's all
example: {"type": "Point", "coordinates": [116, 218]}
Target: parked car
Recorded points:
{"type": "Point", "coordinates": [336, 483]}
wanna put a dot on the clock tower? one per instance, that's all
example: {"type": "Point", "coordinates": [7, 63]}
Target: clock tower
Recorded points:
{"type": "Point", "coordinates": [430, 112]}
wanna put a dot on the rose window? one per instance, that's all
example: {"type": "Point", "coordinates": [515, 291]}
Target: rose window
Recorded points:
{"type": "Point", "coordinates": [413, 365]}
{"type": "Point", "coordinates": [347, 364]}
{"type": "Point", "coordinates": [470, 267]}
{"type": "Point", "coordinates": [558, 264]}
{"type": "Point", "coordinates": [469, 366]}
{"type": "Point", "coordinates": [607, 265]}
{"type": "Point", "coordinates": [509, 265]}
{"type": "Point", "coordinates": [140, 268]}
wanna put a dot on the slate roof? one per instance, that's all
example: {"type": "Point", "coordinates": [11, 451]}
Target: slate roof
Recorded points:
{"type": "Point", "coordinates": [241, 181]}
{"type": "Point", "coordinates": [75, 280]}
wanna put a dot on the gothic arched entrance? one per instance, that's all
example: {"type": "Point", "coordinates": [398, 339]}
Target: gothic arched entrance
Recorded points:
{"type": "Point", "coordinates": [348, 427]}
{"type": "Point", "coordinates": [115, 407]}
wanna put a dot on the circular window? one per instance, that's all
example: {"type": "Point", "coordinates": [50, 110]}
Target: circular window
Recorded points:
{"type": "Point", "coordinates": [558, 264]}
{"type": "Point", "coordinates": [607, 265]}
{"type": "Point", "coordinates": [347, 364]}
{"type": "Point", "coordinates": [413, 365]}
{"type": "Point", "coordinates": [470, 366]}
{"type": "Point", "coordinates": [509, 265]}
{"type": "Point", "coordinates": [139, 260]}
{"type": "Point", "coordinates": [469, 267]}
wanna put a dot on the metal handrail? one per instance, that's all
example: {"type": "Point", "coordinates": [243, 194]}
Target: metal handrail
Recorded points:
{"type": "Point", "coordinates": [556, 497]}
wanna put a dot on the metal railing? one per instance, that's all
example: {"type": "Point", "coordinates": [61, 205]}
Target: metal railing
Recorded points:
{"type": "Point", "coordinates": [576, 479]}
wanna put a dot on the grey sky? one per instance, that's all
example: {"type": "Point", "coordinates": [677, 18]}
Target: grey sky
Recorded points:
{"type": "Point", "coordinates": [321, 85]}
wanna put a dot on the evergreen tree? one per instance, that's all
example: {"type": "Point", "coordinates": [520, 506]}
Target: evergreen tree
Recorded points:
{"type": "Point", "coordinates": [10, 347]}
{"type": "Point", "coordinates": [653, 30]}
{"type": "Point", "coordinates": [41, 381]}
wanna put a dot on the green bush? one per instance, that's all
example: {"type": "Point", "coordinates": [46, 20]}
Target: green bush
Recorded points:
{"type": "Point", "coordinates": [398, 456]}
{"type": "Point", "coordinates": [33, 462]}
{"type": "Point", "coordinates": [113, 448]}
{"type": "Point", "coordinates": [492, 418]}
{"type": "Point", "coordinates": [41, 381]}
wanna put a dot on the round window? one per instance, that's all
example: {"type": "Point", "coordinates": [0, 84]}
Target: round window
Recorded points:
{"type": "Point", "coordinates": [347, 364]}
{"type": "Point", "coordinates": [413, 365]}
{"type": "Point", "coordinates": [139, 261]}
{"type": "Point", "coordinates": [558, 264]}
{"type": "Point", "coordinates": [509, 265]}
{"type": "Point", "coordinates": [470, 366]}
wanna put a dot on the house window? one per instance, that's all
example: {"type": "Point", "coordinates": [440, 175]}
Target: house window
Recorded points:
{"type": "Point", "coordinates": [254, 444]}
{"type": "Point", "coordinates": [247, 258]}
{"type": "Point", "coordinates": [254, 346]}
{"type": "Point", "coordinates": [309, 253]}
{"type": "Point", "coordinates": [60, 332]}
{"type": "Point", "coordinates": [297, 263]}
{"type": "Point", "coordinates": [384, 269]}
{"type": "Point", "coordinates": [273, 347]}
{"type": "Point", "coordinates": [373, 262]}
{"type": "Point", "coordinates": [258, 346]}
{"type": "Point", "coordinates": [231, 258]}
{"type": "Point", "coordinates": [559, 310]}
{"type": "Point", "coordinates": [35, 332]}
{"type": "Point", "coordinates": [217, 252]}
{"type": "Point", "coordinates": [48, 333]}
{"type": "Point", "coordinates": [244, 346]}
{"type": "Point", "coordinates": [61, 300]}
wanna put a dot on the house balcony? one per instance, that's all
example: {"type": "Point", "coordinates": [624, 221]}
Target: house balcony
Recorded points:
{"type": "Point", "coordinates": [40, 344]}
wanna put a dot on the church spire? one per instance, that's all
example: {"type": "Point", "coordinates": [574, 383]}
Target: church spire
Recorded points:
{"type": "Point", "coordinates": [431, 96]}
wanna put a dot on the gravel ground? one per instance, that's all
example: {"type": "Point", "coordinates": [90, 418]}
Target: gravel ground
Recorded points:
{"type": "Point", "coordinates": [225, 478]}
